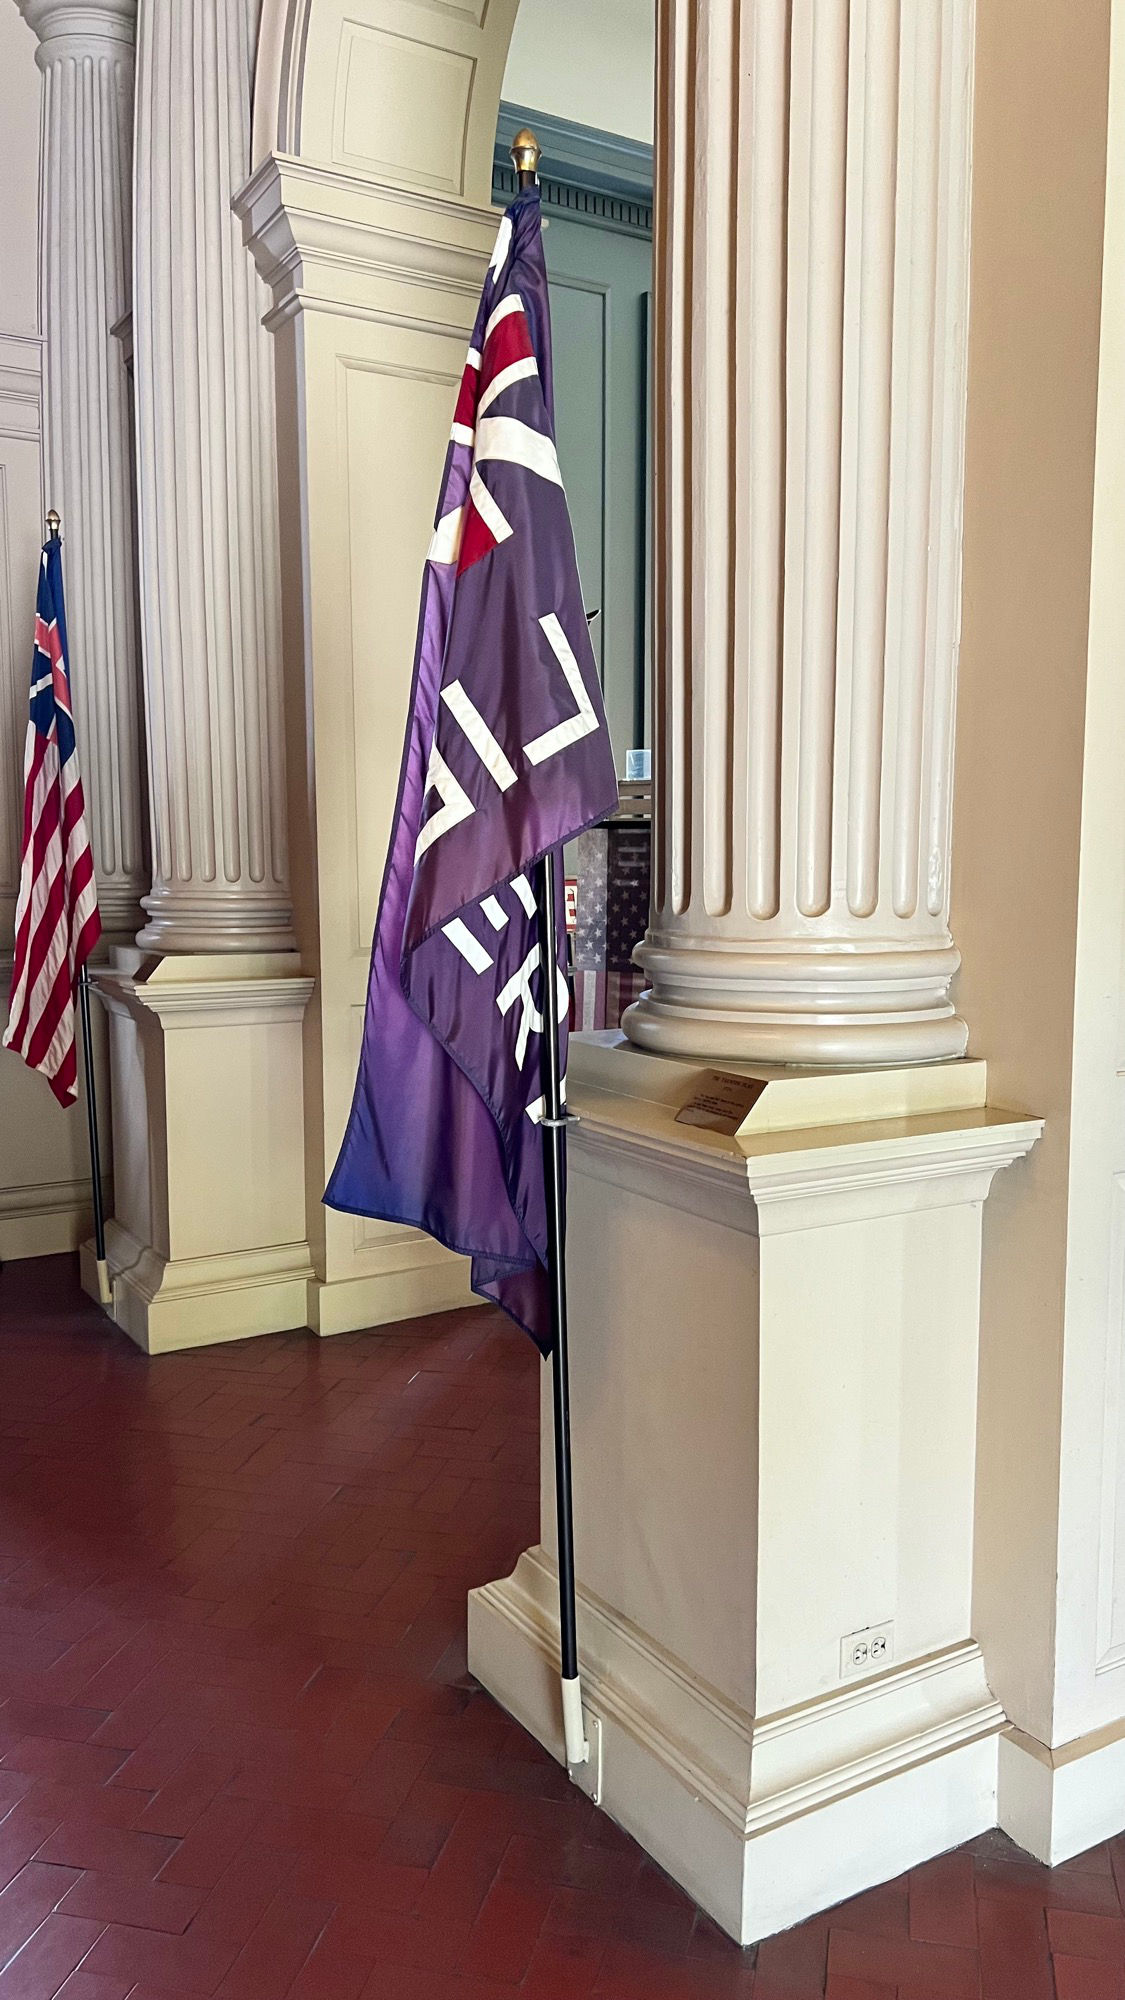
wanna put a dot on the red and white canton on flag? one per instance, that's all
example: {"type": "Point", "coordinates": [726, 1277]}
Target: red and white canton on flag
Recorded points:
{"type": "Point", "coordinates": [57, 921]}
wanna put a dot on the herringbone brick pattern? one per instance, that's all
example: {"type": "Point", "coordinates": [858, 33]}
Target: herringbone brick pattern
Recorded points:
{"type": "Point", "coordinates": [241, 1759]}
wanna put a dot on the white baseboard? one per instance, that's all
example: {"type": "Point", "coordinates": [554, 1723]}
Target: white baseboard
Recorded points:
{"type": "Point", "coordinates": [1059, 1803]}
{"type": "Point", "coordinates": [766, 1821]}
{"type": "Point", "coordinates": [432, 1281]}
{"type": "Point", "coordinates": [45, 1220]}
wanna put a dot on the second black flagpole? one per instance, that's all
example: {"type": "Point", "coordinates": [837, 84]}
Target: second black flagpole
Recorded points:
{"type": "Point", "coordinates": [525, 157]}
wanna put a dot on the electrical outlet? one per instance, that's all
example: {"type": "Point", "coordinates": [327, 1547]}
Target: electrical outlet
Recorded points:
{"type": "Point", "coordinates": [867, 1652]}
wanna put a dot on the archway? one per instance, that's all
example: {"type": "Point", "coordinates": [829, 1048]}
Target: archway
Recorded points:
{"type": "Point", "coordinates": [347, 86]}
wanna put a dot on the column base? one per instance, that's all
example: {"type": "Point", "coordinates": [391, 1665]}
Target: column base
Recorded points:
{"type": "Point", "coordinates": [240, 921]}
{"type": "Point", "coordinates": [166, 1305]}
{"type": "Point", "coordinates": [764, 1821]}
{"type": "Point", "coordinates": [1059, 1803]}
{"type": "Point", "coordinates": [809, 1005]}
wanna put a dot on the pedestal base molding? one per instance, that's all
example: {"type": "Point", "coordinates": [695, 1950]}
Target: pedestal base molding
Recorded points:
{"type": "Point", "coordinates": [765, 1820]}
{"type": "Point", "coordinates": [166, 1305]}
{"type": "Point", "coordinates": [424, 1279]}
{"type": "Point", "coordinates": [1059, 1803]}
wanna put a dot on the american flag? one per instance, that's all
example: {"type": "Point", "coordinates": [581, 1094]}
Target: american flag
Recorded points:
{"type": "Point", "coordinates": [57, 921]}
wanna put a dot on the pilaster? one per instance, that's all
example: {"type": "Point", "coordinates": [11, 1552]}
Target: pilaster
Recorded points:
{"type": "Point", "coordinates": [373, 292]}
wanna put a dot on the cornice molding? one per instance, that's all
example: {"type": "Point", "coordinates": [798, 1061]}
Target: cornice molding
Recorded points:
{"type": "Point", "coordinates": [798, 1180]}
{"type": "Point", "coordinates": [588, 176]}
{"type": "Point", "coordinates": [318, 236]}
{"type": "Point", "coordinates": [581, 156]}
{"type": "Point", "coordinates": [206, 1003]}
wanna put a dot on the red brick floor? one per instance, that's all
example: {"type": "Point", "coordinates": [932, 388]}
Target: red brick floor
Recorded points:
{"type": "Point", "coordinates": [240, 1755]}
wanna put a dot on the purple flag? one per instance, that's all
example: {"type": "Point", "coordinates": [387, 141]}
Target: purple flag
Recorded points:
{"type": "Point", "coordinates": [507, 755]}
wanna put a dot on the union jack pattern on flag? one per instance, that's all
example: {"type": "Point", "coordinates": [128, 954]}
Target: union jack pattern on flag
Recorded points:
{"type": "Point", "coordinates": [507, 756]}
{"type": "Point", "coordinates": [57, 921]}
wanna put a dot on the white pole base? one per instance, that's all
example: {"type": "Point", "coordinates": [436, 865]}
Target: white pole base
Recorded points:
{"type": "Point", "coordinates": [577, 1748]}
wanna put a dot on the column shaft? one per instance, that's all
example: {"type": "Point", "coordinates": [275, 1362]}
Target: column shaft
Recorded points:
{"type": "Point", "coordinates": [210, 581]}
{"type": "Point", "coordinates": [86, 55]}
{"type": "Point", "coordinates": [812, 245]}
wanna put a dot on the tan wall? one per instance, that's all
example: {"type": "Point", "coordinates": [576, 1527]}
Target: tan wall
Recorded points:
{"type": "Point", "coordinates": [1039, 173]}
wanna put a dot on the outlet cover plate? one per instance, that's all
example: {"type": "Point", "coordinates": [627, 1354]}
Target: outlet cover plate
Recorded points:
{"type": "Point", "coordinates": [869, 1651]}
{"type": "Point", "coordinates": [588, 1776]}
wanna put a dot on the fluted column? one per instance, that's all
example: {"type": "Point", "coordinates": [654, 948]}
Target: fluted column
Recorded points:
{"type": "Point", "coordinates": [86, 55]}
{"type": "Point", "coordinates": [207, 495]}
{"type": "Point", "coordinates": [812, 238]}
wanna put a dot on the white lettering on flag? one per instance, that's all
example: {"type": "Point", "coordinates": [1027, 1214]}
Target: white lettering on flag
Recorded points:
{"type": "Point", "coordinates": [496, 914]}
{"type": "Point", "coordinates": [576, 726]}
{"type": "Point", "coordinates": [456, 804]}
{"type": "Point", "coordinates": [479, 734]}
{"type": "Point", "coordinates": [471, 950]}
{"type": "Point", "coordinates": [519, 988]}
{"type": "Point", "coordinates": [522, 887]}
{"type": "Point", "coordinates": [535, 1111]}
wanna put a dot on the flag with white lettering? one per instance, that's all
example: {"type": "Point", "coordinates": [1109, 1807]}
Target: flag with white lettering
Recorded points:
{"type": "Point", "coordinates": [507, 755]}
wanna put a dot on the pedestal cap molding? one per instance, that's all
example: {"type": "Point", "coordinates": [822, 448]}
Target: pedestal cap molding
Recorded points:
{"type": "Point", "coordinates": [797, 1180]}
{"type": "Point", "coordinates": [207, 1003]}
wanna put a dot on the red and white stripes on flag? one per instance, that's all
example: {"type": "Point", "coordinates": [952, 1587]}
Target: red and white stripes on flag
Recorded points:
{"type": "Point", "coordinates": [57, 920]}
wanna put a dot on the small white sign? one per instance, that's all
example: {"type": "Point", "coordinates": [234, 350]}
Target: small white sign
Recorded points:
{"type": "Point", "coordinates": [721, 1102]}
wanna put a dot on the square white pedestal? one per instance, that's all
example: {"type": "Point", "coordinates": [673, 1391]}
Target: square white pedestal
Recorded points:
{"type": "Point", "coordinates": [773, 1370]}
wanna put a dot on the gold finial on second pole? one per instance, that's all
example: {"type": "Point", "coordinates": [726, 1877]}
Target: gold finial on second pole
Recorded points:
{"type": "Point", "coordinates": [525, 157]}
{"type": "Point", "coordinates": [53, 525]}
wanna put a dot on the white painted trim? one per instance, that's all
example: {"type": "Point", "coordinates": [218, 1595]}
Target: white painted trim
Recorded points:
{"type": "Point", "coordinates": [850, 1787]}
{"type": "Point", "coordinates": [1059, 1803]}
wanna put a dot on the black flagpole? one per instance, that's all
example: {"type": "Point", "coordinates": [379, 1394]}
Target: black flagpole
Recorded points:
{"type": "Point", "coordinates": [525, 156]}
{"type": "Point", "coordinates": [105, 1292]}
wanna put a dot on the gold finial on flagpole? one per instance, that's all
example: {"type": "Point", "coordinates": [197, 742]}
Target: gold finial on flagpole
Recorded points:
{"type": "Point", "coordinates": [53, 525]}
{"type": "Point", "coordinates": [526, 155]}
